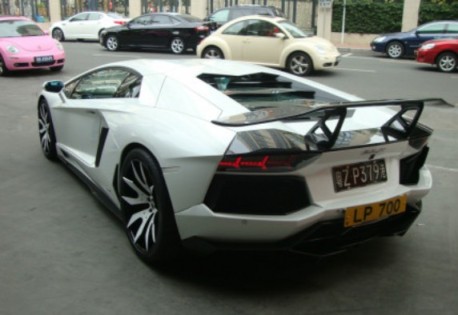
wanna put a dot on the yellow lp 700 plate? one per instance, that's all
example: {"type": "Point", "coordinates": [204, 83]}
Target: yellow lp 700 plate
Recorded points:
{"type": "Point", "coordinates": [375, 211]}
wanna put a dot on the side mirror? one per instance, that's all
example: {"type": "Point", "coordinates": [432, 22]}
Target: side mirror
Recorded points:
{"type": "Point", "coordinates": [280, 35]}
{"type": "Point", "coordinates": [53, 86]}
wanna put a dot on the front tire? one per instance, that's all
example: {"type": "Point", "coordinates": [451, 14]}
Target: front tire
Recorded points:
{"type": "Point", "coordinates": [177, 45]}
{"type": "Point", "coordinates": [3, 69]}
{"type": "Point", "coordinates": [58, 34]}
{"type": "Point", "coordinates": [150, 221]}
{"type": "Point", "coordinates": [212, 52]}
{"type": "Point", "coordinates": [395, 50]}
{"type": "Point", "coordinates": [300, 64]}
{"type": "Point", "coordinates": [447, 62]}
{"type": "Point", "coordinates": [46, 131]}
{"type": "Point", "coordinates": [56, 69]}
{"type": "Point", "coordinates": [112, 43]}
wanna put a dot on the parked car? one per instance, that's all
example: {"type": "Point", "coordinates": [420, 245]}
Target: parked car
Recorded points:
{"type": "Point", "coordinates": [85, 25]}
{"type": "Point", "coordinates": [24, 46]}
{"type": "Point", "coordinates": [270, 41]}
{"type": "Point", "coordinates": [397, 45]}
{"type": "Point", "coordinates": [171, 31]}
{"type": "Point", "coordinates": [443, 53]}
{"type": "Point", "coordinates": [242, 157]}
{"type": "Point", "coordinates": [225, 15]}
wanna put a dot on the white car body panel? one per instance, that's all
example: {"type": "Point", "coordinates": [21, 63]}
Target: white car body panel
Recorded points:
{"type": "Point", "coordinates": [173, 119]}
{"type": "Point", "coordinates": [85, 29]}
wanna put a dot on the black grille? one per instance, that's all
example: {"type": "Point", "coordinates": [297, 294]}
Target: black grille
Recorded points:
{"type": "Point", "coordinates": [410, 167]}
{"type": "Point", "coordinates": [261, 195]}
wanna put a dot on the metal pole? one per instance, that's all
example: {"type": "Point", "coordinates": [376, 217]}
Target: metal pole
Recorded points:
{"type": "Point", "coordinates": [342, 35]}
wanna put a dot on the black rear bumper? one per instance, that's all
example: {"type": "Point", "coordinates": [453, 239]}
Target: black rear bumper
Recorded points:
{"type": "Point", "coordinates": [322, 239]}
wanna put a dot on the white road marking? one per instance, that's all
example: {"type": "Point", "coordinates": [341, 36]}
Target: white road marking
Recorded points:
{"type": "Point", "coordinates": [441, 168]}
{"type": "Point", "coordinates": [356, 70]}
{"type": "Point", "coordinates": [116, 55]}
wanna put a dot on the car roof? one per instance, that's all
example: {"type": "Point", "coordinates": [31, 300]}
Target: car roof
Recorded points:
{"type": "Point", "coordinates": [269, 18]}
{"type": "Point", "coordinates": [190, 67]}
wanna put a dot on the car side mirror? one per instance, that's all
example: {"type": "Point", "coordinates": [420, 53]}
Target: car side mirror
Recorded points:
{"type": "Point", "coordinates": [280, 35]}
{"type": "Point", "coordinates": [53, 86]}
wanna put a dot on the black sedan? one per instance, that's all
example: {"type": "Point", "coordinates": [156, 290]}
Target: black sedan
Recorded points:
{"type": "Point", "coordinates": [171, 31]}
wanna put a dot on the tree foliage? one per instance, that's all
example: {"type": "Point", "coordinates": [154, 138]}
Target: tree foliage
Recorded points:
{"type": "Point", "coordinates": [385, 16]}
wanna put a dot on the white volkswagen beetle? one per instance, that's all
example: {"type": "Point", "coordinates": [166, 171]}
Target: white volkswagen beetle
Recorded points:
{"type": "Point", "coordinates": [270, 41]}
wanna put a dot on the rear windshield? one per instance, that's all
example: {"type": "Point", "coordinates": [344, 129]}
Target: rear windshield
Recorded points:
{"type": "Point", "coordinates": [262, 90]}
{"type": "Point", "coordinates": [19, 28]}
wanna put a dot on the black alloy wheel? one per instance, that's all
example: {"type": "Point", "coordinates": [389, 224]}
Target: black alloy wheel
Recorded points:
{"type": "Point", "coordinates": [149, 218]}
{"type": "Point", "coordinates": [46, 131]}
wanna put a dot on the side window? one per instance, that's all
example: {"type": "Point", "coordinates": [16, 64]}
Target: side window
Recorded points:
{"type": "Point", "coordinates": [452, 28]}
{"type": "Point", "coordinates": [433, 28]}
{"type": "Point", "coordinates": [79, 17]}
{"type": "Point", "coordinates": [142, 20]}
{"type": "Point", "coordinates": [161, 20]}
{"type": "Point", "coordinates": [255, 28]}
{"type": "Point", "coordinates": [221, 16]}
{"type": "Point", "coordinates": [130, 87]}
{"type": "Point", "coordinates": [105, 83]}
{"type": "Point", "coordinates": [236, 29]}
{"type": "Point", "coordinates": [94, 16]}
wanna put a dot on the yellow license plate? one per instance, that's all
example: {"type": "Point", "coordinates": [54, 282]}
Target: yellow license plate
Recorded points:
{"type": "Point", "coordinates": [375, 211]}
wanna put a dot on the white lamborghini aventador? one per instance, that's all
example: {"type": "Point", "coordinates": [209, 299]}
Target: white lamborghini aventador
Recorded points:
{"type": "Point", "coordinates": [214, 154]}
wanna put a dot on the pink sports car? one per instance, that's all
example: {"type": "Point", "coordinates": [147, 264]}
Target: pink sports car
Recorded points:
{"type": "Point", "coordinates": [24, 45]}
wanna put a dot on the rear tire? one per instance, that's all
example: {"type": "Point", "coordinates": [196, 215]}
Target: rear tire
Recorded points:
{"type": "Point", "coordinates": [150, 220]}
{"type": "Point", "coordinates": [212, 52]}
{"type": "Point", "coordinates": [447, 62]}
{"type": "Point", "coordinates": [177, 45]}
{"type": "Point", "coordinates": [58, 34]}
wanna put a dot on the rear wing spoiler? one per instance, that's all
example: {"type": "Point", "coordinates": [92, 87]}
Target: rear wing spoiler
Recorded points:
{"type": "Point", "coordinates": [401, 126]}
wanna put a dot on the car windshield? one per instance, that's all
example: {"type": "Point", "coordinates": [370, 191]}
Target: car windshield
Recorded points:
{"type": "Point", "coordinates": [293, 29]}
{"type": "Point", "coordinates": [19, 28]}
{"type": "Point", "coordinates": [262, 90]}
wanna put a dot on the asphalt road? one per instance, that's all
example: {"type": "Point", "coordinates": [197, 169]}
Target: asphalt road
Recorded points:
{"type": "Point", "coordinates": [61, 252]}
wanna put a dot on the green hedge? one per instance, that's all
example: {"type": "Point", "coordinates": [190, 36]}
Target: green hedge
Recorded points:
{"type": "Point", "coordinates": [377, 17]}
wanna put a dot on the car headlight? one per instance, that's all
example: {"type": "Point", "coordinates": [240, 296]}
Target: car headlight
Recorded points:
{"type": "Point", "coordinates": [427, 46]}
{"type": "Point", "coordinates": [12, 49]}
{"type": "Point", "coordinates": [379, 39]}
{"type": "Point", "coordinates": [59, 45]}
{"type": "Point", "coordinates": [320, 49]}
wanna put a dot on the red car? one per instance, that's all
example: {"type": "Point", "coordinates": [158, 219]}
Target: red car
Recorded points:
{"type": "Point", "coordinates": [443, 53]}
